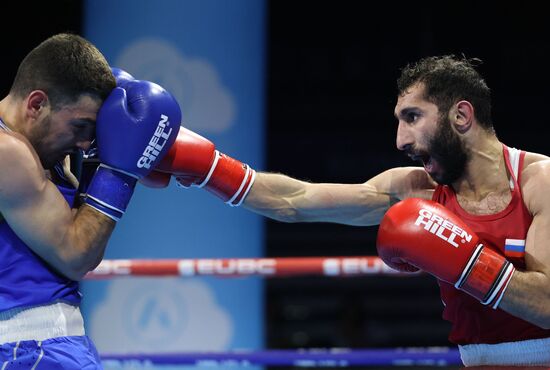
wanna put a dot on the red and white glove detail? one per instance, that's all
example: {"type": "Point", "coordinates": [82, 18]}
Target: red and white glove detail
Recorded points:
{"type": "Point", "coordinates": [228, 178]}
{"type": "Point", "coordinates": [194, 161]}
{"type": "Point", "coordinates": [486, 276]}
{"type": "Point", "coordinates": [422, 234]}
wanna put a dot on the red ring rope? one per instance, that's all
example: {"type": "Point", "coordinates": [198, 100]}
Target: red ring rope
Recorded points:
{"type": "Point", "coordinates": [270, 267]}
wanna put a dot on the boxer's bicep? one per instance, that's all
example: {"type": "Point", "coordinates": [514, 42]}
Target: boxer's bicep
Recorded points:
{"type": "Point", "coordinates": [537, 245]}
{"type": "Point", "coordinates": [29, 202]}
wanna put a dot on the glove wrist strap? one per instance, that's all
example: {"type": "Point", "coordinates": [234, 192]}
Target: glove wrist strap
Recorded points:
{"type": "Point", "coordinates": [110, 191]}
{"type": "Point", "coordinates": [486, 276]}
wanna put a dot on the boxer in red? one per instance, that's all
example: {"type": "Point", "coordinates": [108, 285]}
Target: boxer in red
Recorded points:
{"type": "Point", "coordinates": [479, 220]}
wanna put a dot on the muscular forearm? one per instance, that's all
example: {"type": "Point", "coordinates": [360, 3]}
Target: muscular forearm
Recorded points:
{"type": "Point", "coordinates": [71, 243]}
{"type": "Point", "coordinates": [85, 243]}
{"type": "Point", "coordinates": [528, 297]}
{"type": "Point", "coordinates": [289, 200]}
{"type": "Point", "coordinates": [274, 196]}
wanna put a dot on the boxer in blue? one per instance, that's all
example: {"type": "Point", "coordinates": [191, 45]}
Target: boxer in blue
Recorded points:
{"type": "Point", "coordinates": [63, 97]}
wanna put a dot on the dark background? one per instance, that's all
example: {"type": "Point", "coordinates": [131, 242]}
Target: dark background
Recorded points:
{"type": "Point", "coordinates": [331, 75]}
{"type": "Point", "coordinates": [332, 72]}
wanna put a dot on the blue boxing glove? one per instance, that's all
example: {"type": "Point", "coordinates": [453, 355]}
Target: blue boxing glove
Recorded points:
{"type": "Point", "coordinates": [122, 77]}
{"type": "Point", "coordinates": [136, 126]}
{"type": "Point", "coordinates": [90, 159]}
{"type": "Point", "coordinates": [155, 179]}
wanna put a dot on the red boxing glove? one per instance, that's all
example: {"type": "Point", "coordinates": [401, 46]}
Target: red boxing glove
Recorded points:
{"type": "Point", "coordinates": [194, 161]}
{"type": "Point", "coordinates": [422, 234]}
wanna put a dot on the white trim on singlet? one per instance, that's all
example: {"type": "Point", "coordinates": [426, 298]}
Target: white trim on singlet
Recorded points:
{"type": "Point", "coordinates": [514, 155]}
{"type": "Point", "coordinates": [531, 352]}
{"type": "Point", "coordinates": [41, 322]}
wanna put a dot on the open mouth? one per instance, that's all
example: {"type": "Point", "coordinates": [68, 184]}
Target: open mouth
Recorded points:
{"type": "Point", "coordinates": [425, 159]}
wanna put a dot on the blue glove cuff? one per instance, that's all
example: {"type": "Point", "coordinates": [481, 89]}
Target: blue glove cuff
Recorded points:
{"type": "Point", "coordinates": [110, 191]}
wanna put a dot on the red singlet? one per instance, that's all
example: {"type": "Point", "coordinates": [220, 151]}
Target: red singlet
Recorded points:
{"type": "Point", "coordinates": [504, 232]}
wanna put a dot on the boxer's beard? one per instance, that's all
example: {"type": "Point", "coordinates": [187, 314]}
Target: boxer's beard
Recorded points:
{"type": "Point", "coordinates": [449, 152]}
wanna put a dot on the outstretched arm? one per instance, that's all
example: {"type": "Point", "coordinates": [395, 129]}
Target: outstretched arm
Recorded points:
{"type": "Point", "coordinates": [289, 200]}
{"type": "Point", "coordinates": [195, 161]}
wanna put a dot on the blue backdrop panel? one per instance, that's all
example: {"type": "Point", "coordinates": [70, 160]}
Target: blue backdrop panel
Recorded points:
{"type": "Point", "coordinates": [210, 55]}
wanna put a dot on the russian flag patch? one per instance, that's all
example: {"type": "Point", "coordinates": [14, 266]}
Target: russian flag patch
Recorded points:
{"type": "Point", "coordinates": [514, 248]}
